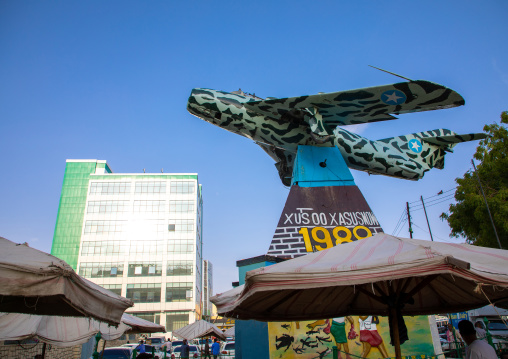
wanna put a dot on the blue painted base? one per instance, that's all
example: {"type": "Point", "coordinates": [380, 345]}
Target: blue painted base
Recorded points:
{"type": "Point", "coordinates": [320, 166]}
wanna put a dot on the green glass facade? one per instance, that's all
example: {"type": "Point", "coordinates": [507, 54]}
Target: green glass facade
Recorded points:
{"type": "Point", "coordinates": [71, 210]}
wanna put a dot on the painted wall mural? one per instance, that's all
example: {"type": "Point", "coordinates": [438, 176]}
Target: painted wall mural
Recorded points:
{"type": "Point", "coordinates": [354, 336]}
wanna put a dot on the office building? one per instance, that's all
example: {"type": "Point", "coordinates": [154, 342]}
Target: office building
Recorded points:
{"type": "Point", "coordinates": [138, 235]}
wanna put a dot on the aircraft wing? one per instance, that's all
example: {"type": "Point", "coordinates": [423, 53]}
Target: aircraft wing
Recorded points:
{"type": "Point", "coordinates": [365, 105]}
{"type": "Point", "coordinates": [453, 139]}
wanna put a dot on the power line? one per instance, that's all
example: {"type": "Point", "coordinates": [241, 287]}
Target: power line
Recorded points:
{"type": "Point", "coordinates": [444, 240]}
{"type": "Point", "coordinates": [432, 203]}
{"type": "Point", "coordinates": [402, 218]}
{"type": "Point", "coordinates": [436, 195]}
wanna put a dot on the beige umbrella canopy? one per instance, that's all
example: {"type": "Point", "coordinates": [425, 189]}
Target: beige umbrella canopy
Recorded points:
{"type": "Point", "coordinates": [199, 329]}
{"type": "Point", "coordinates": [230, 332]}
{"type": "Point", "coordinates": [34, 282]}
{"type": "Point", "coordinates": [139, 325]}
{"type": "Point", "coordinates": [379, 275]}
{"type": "Point", "coordinates": [69, 331]}
{"type": "Point", "coordinates": [55, 330]}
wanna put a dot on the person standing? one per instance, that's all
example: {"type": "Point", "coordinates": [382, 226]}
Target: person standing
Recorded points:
{"type": "Point", "coordinates": [167, 345]}
{"type": "Point", "coordinates": [476, 348]}
{"type": "Point", "coordinates": [206, 350]}
{"type": "Point", "coordinates": [184, 350]}
{"type": "Point", "coordinates": [453, 337]}
{"type": "Point", "coordinates": [480, 332]}
{"type": "Point", "coordinates": [215, 348]}
{"type": "Point", "coordinates": [141, 347]}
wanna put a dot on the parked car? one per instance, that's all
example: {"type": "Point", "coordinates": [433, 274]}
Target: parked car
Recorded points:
{"type": "Point", "coordinates": [176, 343]}
{"type": "Point", "coordinates": [499, 332]}
{"type": "Point", "coordinates": [193, 352]}
{"type": "Point", "coordinates": [148, 348]}
{"type": "Point", "coordinates": [228, 350]}
{"type": "Point", "coordinates": [156, 341]}
{"type": "Point", "coordinates": [116, 353]}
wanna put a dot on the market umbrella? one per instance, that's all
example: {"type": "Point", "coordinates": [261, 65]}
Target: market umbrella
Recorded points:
{"type": "Point", "coordinates": [230, 332]}
{"type": "Point", "coordinates": [379, 275]}
{"type": "Point", "coordinates": [199, 329]}
{"type": "Point", "coordinates": [34, 282]}
{"type": "Point", "coordinates": [69, 331]}
{"type": "Point", "coordinates": [55, 330]}
{"type": "Point", "coordinates": [139, 325]}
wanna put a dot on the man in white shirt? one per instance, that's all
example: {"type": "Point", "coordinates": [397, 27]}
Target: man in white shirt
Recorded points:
{"type": "Point", "coordinates": [480, 332]}
{"type": "Point", "coordinates": [476, 348]}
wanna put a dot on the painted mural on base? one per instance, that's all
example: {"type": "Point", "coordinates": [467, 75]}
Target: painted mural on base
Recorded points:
{"type": "Point", "coordinates": [354, 336]}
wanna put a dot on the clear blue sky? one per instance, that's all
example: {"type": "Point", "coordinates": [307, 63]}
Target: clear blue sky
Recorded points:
{"type": "Point", "coordinates": [110, 80]}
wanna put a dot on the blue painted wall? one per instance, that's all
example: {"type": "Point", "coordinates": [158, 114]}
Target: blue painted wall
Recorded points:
{"type": "Point", "coordinates": [321, 166]}
{"type": "Point", "coordinates": [251, 336]}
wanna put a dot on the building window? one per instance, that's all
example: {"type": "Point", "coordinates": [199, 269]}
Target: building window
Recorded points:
{"type": "Point", "coordinates": [184, 187]}
{"type": "Point", "coordinates": [181, 225]}
{"type": "Point", "coordinates": [150, 187]}
{"type": "Point", "coordinates": [101, 270]}
{"type": "Point", "coordinates": [144, 293]}
{"type": "Point", "coordinates": [110, 187]}
{"type": "Point", "coordinates": [103, 248]}
{"type": "Point", "coordinates": [153, 317]}
{"type": "Point", "coordinates": [181, 206]}
{"type": "Point", "coordinates": [101, 227]}
{"type": "Point", "coordinates": [180, 246]}
{"type": "Point", "coordinates": [107, 206]}
{"type": "Point", "coordinates": [176, 320]}
{"type": "Point", "coordinates": [179, 268]}
{"type": "Point", "coordinates": [149, 206]}
{"type": "Point", "coordinates": [115, 288]}
{"type": "Point", "coordinates": [146, 247]}
{"type": "Point", "coordinates": [179, 292]}
{"type": "Point", "coordinates": [145, 269]}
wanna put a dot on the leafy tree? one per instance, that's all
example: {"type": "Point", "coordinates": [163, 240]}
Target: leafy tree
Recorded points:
{"type": "Point", "coordinates": [469, 216]}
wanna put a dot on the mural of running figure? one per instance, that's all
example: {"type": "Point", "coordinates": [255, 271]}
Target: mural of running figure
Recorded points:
{"type": "Point", "coordinates": [370, 337]}
{"type": "Point", "coordinates": [338, 329]}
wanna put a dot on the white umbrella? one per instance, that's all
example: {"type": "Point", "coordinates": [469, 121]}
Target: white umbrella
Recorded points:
{"type": "Point", "coordinates": [69, 331]}
{"type": "Point", "coordinates": [55, 330]}
{"type": "Point", "coordinates": [379, 275]}
{"type": "Point", "coordinates": [139, 325]}
{"type": "Point", "coordinates": [199, 329]}
{"type": "Point", "coordinates": [34, 282]}
{"type": "Point", "coordinates": [230, 332]}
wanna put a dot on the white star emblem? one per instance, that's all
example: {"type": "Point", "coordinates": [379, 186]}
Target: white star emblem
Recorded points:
{"type": "Point", "coordinates": [415, 146]}
{"type": "Point", "coordinates": [393, 97]}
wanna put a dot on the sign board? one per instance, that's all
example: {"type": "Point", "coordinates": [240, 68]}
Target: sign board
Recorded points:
{"type": "Point", "coordinates": [317, 218]}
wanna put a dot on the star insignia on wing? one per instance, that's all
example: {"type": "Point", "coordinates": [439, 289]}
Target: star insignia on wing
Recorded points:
{"type": "Point", "coordinates": [393, 97]}
{"type": "Point", "coordinates": [415, 146]}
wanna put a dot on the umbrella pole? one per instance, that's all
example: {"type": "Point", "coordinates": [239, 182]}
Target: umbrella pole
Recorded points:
{"type": "Point", "coordinates": [43, 350]}
{"type": "Point", "coordinates": [395, 328]}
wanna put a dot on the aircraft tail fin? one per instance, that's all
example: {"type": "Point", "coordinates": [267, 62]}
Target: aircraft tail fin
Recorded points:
{"type": "Point", "coordinates": [428, 148]}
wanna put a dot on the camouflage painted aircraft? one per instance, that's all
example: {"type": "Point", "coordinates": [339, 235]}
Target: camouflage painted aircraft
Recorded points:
{"type": "Point", "coordinates": [280, 125]}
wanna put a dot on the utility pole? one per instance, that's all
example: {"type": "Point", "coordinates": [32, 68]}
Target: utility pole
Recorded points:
{"type": "Point", "coordinates": [409, 220]}
{"type": "Point", "coordinates": [486, 204]}
{"type": "Point", "coordinates": [428, 225]}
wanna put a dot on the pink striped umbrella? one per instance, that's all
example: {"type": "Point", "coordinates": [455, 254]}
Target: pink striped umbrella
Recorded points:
{"type": "Point", "coordinates": [379, 275]}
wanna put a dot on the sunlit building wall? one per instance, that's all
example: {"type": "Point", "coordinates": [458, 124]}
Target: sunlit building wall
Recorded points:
{"type": "Point", "coordinates": [207, 289]}
{"type": "Point", "coordinates": [138, 235]}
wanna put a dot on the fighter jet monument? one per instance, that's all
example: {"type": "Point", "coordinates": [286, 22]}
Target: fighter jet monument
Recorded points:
{"type": "Point", "coordinates": [313, 152]}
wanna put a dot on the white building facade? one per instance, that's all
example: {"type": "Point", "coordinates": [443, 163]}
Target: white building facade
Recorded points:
{"type": "Point", "coordinates": [140, 237]}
